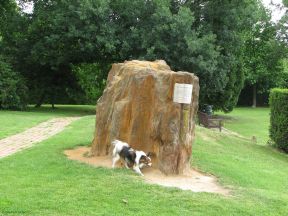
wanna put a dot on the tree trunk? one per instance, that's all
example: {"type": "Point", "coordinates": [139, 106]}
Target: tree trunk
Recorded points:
{"type": "Point", "coordinates": [41, 100]}
{"type": "Point", "coordinates": [254, 96]}
{"type": "Point", "coordinates": [53, 101]}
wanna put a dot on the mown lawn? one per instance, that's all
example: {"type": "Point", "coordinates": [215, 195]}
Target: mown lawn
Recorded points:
{"type": "Point", "coordinates": [12, 122]}
{"type": "Point", "coordinates": [249, 122]}
{"type": "Point", "coordinates": [42, 181]}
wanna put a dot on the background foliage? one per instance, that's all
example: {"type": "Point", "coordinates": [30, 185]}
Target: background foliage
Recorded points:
{"type": "Point", "coordinates": [227, 43]}
{"type": "Point", "coordinates": [91, 78]}
{"type": "Point", "coordinates": [13, 91]}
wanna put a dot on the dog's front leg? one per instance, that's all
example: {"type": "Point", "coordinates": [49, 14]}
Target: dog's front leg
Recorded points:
{"type": "Point", "coordinates": [126, 165]}
{"type": "Point", "coordinates": [137, 170]}
{"type": "Point", "coordinates": [141, 165]}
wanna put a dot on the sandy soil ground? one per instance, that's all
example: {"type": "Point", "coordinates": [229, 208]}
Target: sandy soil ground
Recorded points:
{"type": "Point", "coordinates": [193, 180]}
{"type": "Point", "coordinates": [29, 137]}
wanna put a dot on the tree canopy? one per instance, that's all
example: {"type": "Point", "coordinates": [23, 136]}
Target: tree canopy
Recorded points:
{"type": "Point", "coordinates": [53, 46]}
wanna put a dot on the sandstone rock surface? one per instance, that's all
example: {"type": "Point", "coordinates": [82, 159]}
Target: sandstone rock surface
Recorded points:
{"type": "Point", "coordinates": [137, 107]}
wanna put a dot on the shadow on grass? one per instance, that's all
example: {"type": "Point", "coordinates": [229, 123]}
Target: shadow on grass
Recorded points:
{"type": "Point", "coordinates": [64, 110]}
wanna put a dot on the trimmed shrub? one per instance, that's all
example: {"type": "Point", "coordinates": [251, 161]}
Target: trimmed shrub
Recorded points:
{"type": "Point", "coordinates": [13, 91]}
{"type": "Point", "coordinates": [279, 118]}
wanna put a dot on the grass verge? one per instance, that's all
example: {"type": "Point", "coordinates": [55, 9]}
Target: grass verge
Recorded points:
{"type": "Point", "coordinates": [13, 122]}
{"type": "Point", "coordinates": [42, 181]}
{"type": "Point", "coordinates": [249, 122]}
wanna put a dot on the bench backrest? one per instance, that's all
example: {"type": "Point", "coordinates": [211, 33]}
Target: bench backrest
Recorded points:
{"type": "Point", "coordinates": [203, 118]}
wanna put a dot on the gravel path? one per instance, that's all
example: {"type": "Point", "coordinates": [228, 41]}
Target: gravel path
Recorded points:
{"type": "Point", "coordinates": [31, 136]}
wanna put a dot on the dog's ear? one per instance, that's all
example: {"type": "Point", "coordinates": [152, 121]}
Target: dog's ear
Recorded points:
{"type": "Point", "coordinates": [149, 154]}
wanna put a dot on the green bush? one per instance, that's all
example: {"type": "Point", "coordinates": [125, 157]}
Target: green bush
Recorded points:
{"type": "Point", "coordinates": [13, 91]}
{"type": "Point", "coordinates": [92, 80]}
{"type": "Point", "coordinates": [279, 118]}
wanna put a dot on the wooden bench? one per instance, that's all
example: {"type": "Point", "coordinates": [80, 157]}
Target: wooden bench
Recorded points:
{"type": "Point", "coordinates": [208, 121]}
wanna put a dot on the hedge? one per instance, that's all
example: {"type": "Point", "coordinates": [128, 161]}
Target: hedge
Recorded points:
{"type": "Point", "coordinates": [279, 118]}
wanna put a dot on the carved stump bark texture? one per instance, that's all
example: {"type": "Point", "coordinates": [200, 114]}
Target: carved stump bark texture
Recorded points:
{"type": "Point", "coordinates": [137, 107]}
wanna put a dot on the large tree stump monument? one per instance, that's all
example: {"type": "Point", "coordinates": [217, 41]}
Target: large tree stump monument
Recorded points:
{"type": "Point", "coordinates": [138, 107]}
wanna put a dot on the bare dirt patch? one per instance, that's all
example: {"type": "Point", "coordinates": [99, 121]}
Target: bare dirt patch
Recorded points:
{"type": "Point", "coordinates": [36, 134]}
{"type": "Point", "coordinates": [193, 180]}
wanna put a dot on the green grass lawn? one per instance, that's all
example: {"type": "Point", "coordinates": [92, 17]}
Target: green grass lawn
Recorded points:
{"type": "Point", "coordinates": [249, 122]}
{"type": "Point", "coordinates": [14, 121]}
{"type": "Point", "coordinates": [42, 181]}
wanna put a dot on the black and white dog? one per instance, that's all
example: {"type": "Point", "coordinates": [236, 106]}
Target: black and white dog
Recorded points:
{"type": "Point", "coordinates": [132, 158]}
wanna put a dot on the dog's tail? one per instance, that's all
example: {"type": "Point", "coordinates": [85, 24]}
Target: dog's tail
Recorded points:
{"type": "Point", "coordinates": [114, 142]}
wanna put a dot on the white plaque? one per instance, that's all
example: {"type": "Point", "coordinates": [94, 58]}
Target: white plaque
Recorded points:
{"type": "Point", "coordinates": [182, 93]}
